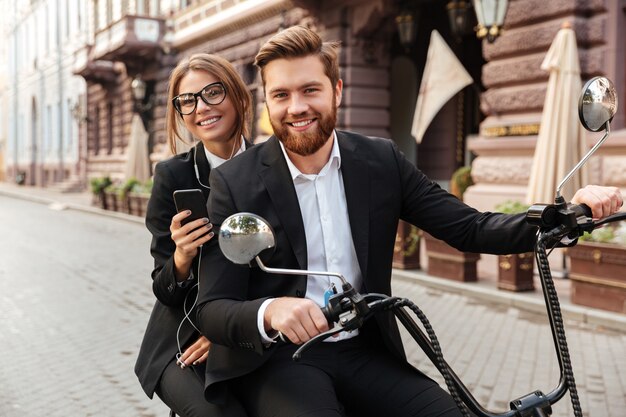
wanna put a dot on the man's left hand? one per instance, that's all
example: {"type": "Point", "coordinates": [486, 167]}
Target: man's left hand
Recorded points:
{"type": "Point", "coordinates": [603, 201]}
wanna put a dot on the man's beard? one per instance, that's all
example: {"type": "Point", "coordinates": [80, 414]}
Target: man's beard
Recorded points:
{"type": "Point", "coordinates": [310, 141]}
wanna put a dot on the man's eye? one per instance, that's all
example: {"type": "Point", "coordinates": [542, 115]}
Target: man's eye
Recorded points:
{"type": "Point", "coordinates": [310, 90]}
{"type": "Point", "coordinates": [280, 95]}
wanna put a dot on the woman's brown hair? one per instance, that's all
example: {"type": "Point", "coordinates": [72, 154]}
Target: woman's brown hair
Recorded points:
{"type": "Point", "coordinates": [235, 89]}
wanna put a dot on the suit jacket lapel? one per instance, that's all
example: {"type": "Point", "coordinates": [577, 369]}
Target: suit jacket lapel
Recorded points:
{"type": "Point", "coordinates": [355, 173]}
{"type": "Point", "coordinates": [277, 179]}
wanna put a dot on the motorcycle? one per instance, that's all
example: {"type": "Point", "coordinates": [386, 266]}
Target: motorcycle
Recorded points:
{"type": "Point", "coordinates": [243, 236]}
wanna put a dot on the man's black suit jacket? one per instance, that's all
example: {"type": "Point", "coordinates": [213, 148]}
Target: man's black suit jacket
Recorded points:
{"type": "Point", "coordinates": [381, 187]}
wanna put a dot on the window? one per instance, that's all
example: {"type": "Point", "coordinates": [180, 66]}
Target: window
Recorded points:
{"type": "Point", "coordinates": [96, 15]}
{"type": "Point", "coordinates": [48, 132]}
{"type": "Point", "coordinates": [68, 122]}
{"type": "Point", "coordinates": [66, 9]}
{"type": "Point", "coordinates": [79, 15]}
{"type": "Point", "coordinates": [110, 127]}
{"type": "Point", "coordinates": [47, 37]}
{"type": "Point", "coordinates": [96, 131]}
{"type": "Point", "coordinates": [109, 12]}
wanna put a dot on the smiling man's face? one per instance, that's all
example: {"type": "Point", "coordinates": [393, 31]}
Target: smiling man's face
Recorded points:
{"type": "Point", "coordinates": [301, 102]}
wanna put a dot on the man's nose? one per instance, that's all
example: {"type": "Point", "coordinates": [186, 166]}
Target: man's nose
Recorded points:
{"type": "Point", "coordinates": [297, 105]}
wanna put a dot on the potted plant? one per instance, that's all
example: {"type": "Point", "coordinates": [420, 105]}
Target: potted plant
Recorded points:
{"type": "Point", "coordinates": [515, 272]}
{"type": "Point", "coordinates": [112, 197]}
{"type": "Point", "coordinates": [98, 185]}
{"type": "Point", "coordinates": [124, 192]}
{"type": "Point", "coordinates": [598, 269]}
{"type": "Point", "coordinates": [444, 261]}
{"type": "Point", "coordinates": [406, 249]}
{"type": "Point", "coordinates": [138, 198]}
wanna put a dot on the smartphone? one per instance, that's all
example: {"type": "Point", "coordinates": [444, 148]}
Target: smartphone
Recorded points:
{"type": "Point", "coordinates": [191, 200]}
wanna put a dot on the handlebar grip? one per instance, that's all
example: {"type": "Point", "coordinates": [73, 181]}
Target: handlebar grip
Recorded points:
{"type": "Point", "coordinates": [328, 314]}
{"type": "Point", "coordinates": [581, 210]}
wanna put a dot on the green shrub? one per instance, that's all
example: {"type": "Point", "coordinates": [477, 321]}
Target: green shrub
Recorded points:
{"type": "Point", "coordinates": [128, 186]}
{"type": "Point", "coordinates": [601, 235]}
{"type": "Point", "coordinates": [99, 184]}
{"type": "Point", "coordinates": [460, 181]}
{"type": "Point", "coordinates": [142, 188]}
{"type": "Point", "coordinates": [511, 207]}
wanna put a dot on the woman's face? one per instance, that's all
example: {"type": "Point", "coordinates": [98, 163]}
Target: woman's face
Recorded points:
{"type": "Point", "coordinates": [211, 124]}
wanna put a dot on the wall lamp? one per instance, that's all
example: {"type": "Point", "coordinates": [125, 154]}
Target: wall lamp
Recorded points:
{"type": "Point", "coordinates": [460, 18]}
{"type": "Point", "coordinates": [490, 15]}
{"type": "Point", "coordinates": [142, 99]}
{"type": "Point", "coordinates": [406, 23]}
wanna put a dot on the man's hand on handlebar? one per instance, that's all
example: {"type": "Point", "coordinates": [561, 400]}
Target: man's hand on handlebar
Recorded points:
{"type": "Point", "coordinates": [298, 319]}
{"type": "Point", "coordinates": [603, 201]}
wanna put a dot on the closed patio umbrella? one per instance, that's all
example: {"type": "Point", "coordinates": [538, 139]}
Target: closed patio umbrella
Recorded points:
{"type": "Point", "coordinates": [561, 141]}
{"type": "Point", "coordinates": [137, 158]}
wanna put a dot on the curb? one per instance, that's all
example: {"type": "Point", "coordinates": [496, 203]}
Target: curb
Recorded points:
{"type": "Point", "coordinates": [594, 317]}
{"type": "Point", "coordinates": [56, 204]}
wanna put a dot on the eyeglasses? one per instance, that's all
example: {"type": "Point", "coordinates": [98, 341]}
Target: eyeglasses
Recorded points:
{"type": "Point", "coordinates": [212, 94]}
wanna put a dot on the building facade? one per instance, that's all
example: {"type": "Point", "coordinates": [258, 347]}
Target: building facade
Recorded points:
{"type": "Point", "coordinates": [42, 93]}
{"type": "Point", "coordinates": [490, 125]}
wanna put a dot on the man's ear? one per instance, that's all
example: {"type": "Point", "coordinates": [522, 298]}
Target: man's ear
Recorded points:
{"type": "Point", "coordinates": [339, 92]}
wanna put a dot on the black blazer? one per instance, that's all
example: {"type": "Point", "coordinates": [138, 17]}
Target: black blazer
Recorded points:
{"type": "Point", "coordinates": [159, 345]}
{"type": "Point", "coordinates": [381, 187]}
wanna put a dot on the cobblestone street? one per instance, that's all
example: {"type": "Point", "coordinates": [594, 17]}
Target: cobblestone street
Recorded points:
{"type": "Point", "coordinates": [76, 296]}
{"type": "Point", "coordinates": [75, 300]}
{"type": "Point", "coordinates": [502, 353]}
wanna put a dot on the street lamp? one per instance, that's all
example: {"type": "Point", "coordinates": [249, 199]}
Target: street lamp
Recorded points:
{"type": "Point", "coordinates": [459, 16]}
{"type": "Point", "coordinates": [490, 15]}
{"type": "Point", "coordinates": [407, 28]}
{"type": "Point", "coordinates": [138, 87]}
{"type": "Point", "coordinates": [142, 99]}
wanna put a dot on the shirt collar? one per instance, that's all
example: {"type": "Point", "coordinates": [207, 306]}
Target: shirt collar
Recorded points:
{"type": "Point", "coordinates": [215, 161]}
{"type": "Point", "coordinates": [333, 160]}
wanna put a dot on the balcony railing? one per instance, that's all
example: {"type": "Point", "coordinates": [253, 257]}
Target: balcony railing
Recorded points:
{"type": "Point", "coordinates": [131, 38]}
{"type": "Point", "coordinates": [99, 71]}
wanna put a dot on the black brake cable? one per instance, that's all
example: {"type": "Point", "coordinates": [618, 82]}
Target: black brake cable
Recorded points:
{"type": "Point", "coordinates": [558, 329]}
{"type": "Point", "coordinates": [441, 364]}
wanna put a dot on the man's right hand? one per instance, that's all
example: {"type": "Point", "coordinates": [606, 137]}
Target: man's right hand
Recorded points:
{"type": "Point", "coordinates": [299, 319]}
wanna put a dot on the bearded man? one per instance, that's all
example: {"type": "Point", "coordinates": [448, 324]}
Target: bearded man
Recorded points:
{"type": "Point", "coordinates": [334, 200]}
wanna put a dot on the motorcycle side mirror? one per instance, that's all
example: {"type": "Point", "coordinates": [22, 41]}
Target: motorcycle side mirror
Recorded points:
{"type": "Point", "coordinates": [596, 107]}
{"type": "Point", "coordinates": [597, 104]}
{"type": "Point", "coordinates": [243, 236]}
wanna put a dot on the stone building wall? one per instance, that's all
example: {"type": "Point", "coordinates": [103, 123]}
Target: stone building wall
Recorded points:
{"type": "Point", "coordinates": [515, 92]}
{"type": "Point", "coordinates": [516, 86]}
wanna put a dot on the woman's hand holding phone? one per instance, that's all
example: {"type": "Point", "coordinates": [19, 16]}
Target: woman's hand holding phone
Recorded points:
{"type": "Point", "coordinates": [189, 235]}
{"type": "Point", "coordinates": [188, 238]}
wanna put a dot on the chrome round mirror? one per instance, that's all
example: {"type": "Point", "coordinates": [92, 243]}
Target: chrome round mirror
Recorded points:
{"type": "Point", "coordinates": [597, 104]}
{"type": "Point", "coordinates": [243, 236]}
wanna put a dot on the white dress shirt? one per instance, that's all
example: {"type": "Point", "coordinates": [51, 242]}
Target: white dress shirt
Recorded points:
{"type": "Point", "coordinates": [329, 243]}
{"type": "Point", "coordinates": [215, 161]}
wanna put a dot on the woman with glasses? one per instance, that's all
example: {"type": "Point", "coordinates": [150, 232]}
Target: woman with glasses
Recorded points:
{"type": "Point", "coordinates": [208, 99]}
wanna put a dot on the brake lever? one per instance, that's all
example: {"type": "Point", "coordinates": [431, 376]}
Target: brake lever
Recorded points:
{"type": "Point", "coordinates": [320, 337]}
